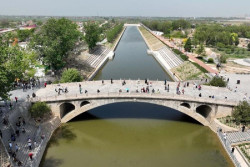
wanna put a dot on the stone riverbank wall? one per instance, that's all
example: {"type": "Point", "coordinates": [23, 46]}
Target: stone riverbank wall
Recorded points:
{"type": "Point", "coordinates": [110, 55]}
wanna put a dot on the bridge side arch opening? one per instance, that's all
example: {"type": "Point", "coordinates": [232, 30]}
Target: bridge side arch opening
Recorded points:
{"type": "Point", "coordinates": [204, 110]}
{"type": "Point", "coordinates": [186, 105]}
{"type": "Point", "coordinates": [66, 108]}
{"type": "Point", "coordinates": [84, 103]}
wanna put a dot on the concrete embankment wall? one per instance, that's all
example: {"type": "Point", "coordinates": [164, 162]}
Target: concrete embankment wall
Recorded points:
{"type": "Point", "coordinates": [92, 76]}
{"type": "Point", "coordinates": [153, 53]}
{"type": "Point", "coordinates": [174, 78]}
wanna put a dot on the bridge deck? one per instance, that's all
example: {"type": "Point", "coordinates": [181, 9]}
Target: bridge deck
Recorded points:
{"type": "Point", "coordinates": [108, 90]}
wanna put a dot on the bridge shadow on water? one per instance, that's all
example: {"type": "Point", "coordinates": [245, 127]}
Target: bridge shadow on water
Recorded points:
{"type": "Point", "coordinates": [136, 110]}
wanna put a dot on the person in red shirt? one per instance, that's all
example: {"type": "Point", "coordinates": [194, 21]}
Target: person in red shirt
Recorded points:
{"type": "Point", "coordinates": [16, 99]}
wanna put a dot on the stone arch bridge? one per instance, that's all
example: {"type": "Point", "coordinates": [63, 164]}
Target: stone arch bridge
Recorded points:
{"type": "Point", "coordinates": [67, 106]}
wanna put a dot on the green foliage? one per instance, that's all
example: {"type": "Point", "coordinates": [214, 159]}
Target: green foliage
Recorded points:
{"type": "Point", "coordinates": [54, 40]}
{"type": "Point", "coordinates": [23, 35]}
{"type": "Point", "coordinates": [215, 33]}
{"type": "Point", "coordinates": [223, 59]}
{"type": "Point", "coordinates": [188, 45]}
{"type": "Point", "coordinates": [14, 62]}
{"type": "Point", "coordinates": [168, 26]}
{"type": "Point", "coordinates": [241, 113]}
{"type": "Point", "coordinates": [39, 109]}
{"type": "Point", "coordinates": [180, 24]}
{"type": "Point", "coordinates": [183, 56]}
{"type": "Point", "coordinates": [200, 68]}
{"type": "Point", "coordinates": [210, 60]}
{"type": "Point", "coordinates": [201, 50]}
{"type": "Point", "coordinates": [178, 34]}
{"type": "Point", "coordinates": [92, 31]}
{"type": "Point", "coordinates": [218, 81]}
{"type": "Point", "coordinates": [112, 34]}
{"type": "Point", "coordinates": [71, 75]}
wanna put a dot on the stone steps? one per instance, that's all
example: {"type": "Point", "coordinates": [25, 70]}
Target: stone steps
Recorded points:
{"type": "Point", "coordinates": [235, 137]}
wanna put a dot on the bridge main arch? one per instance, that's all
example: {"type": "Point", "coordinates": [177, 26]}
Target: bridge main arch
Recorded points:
{"type": "Point", "coordinates": [184, 107]}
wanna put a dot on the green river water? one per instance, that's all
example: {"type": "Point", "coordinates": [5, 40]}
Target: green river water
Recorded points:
{"type": "Point", "coordinates": [134, 134]}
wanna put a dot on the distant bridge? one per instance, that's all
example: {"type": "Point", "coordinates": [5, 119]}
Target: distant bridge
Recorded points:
{"type": "Point", "coordinates": [127, 25]}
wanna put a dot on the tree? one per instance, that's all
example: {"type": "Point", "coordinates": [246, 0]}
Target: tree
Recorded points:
{"type": "Point", "coordinates": [188, 45]}
{"type": "Point", "coordinates": [92, 33]}
{"type": "Point", "coordinates": [200, 50]}
{"type": "Point", "coordinates": [39, 109]}
{"type": "Point", "coordinates": [248, 47]}
{"type": "Point", "coordinates": [24, 34]}
{"type": "Point", "coordinates": [241, 113]}
{"type": "Point", "coordinates": [14, 63]}
{"type": "Point", "coordinates": [54, 41]}
{"type": "Point", "coordinates": [71, 75]}
{"type": "Point", "coordinates": [218, 81]}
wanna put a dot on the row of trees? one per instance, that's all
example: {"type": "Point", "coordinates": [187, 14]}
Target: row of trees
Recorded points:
{"type": "Point", "coordinates": [216, 35]}
{"type": "Point", "coordinates": [112, 34]}
{"type": "Point", "coordinates": [167, 26]}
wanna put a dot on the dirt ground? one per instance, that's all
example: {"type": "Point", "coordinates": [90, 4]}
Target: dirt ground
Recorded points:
{"type": "Point", "coordinates": [231, 67]}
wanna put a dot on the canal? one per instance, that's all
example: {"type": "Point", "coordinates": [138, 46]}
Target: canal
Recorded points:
{"type": "Point", "coordinates": [134, 134]}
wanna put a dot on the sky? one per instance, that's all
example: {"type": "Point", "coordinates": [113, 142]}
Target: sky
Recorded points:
{"type": "Point", "coordinates": [161, 8]}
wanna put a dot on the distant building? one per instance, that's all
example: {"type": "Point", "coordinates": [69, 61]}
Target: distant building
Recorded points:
{"type": "Point", "coordinates": [2, 31]}
{"type": "Point", "coordinates": [158, 33]}
{"type": "Point", "coordinates": [28, 27]}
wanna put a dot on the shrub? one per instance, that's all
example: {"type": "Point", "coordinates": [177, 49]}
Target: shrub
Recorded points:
{"type": "Point", "coordinates": [223, 59]}
{"type": "Point", "coordinates": [183, 56]}
{"type": "Point", "coordinates": [217, 81]}
{"type": "Point", "coordinates": [39, 109]}
{"type": "Point", "coordinates": [241, 113]}
{"type": "Point", "coordinates": [71, 75]}
{"type": "Point", "coordinates": [210, 60]}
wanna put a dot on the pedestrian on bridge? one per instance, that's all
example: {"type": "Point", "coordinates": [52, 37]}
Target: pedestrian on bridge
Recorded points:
{"type": "Point", "coordinates": [111, 81]}
{"type": "Point", "coordinates": [31, 155]}
{"type": "Point", "coordinates": [80, 88]}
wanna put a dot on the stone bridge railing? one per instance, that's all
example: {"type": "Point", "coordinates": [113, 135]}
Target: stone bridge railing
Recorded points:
{"type": "Point", "coordinates": [133, 95]}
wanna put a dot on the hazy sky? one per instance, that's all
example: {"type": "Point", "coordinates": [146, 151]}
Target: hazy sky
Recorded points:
{"type": "Point", "coordinates": [183, 8]}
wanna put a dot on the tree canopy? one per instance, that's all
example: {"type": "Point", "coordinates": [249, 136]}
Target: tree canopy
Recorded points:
{"type": "Point", "coordinates": [112, 34]}
{"type": "Point", "coordinates": [215, 33]}
{"type": "Point", "coordinates": [218, 81]}
{"type": "Point", "coordinates": [54, 40]}
{"type": "Point", "coordinates": [23, 35]}
{"type": "Point", "coordinates": [71, 75]}
{"type": "Point", "coordinates": [241, 113]}
{"type": "Point", "coordinates": [92, 34]}
{"type": "Point", "coordinates": [14, 63]}
{"type": "Point", "coordinates": [39, 109]}
{"type": "Point", "coordinates": [188, 45]}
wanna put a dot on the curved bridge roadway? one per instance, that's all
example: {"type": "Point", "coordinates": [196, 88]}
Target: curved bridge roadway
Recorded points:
{"type": "Point", "coordinates": [204, 109]}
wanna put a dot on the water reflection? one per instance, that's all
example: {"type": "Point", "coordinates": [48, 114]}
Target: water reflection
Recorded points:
{"type": "Point", "coordinates": [136, 135]}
